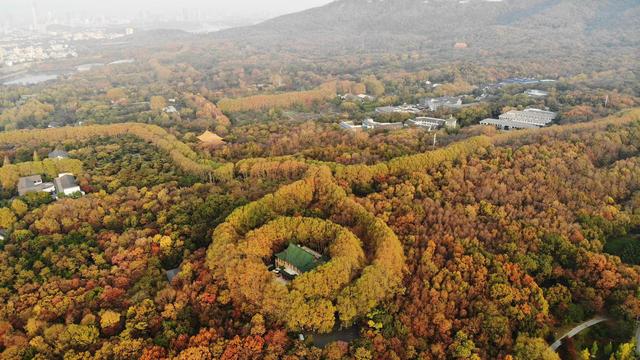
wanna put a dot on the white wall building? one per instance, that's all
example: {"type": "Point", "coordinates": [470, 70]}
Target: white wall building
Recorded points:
{"type": "Point", "coordinates": [66, 184]}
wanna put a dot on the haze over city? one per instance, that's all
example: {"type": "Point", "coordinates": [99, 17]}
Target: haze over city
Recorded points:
{"type": "Point", "coordinates": [21, 12]}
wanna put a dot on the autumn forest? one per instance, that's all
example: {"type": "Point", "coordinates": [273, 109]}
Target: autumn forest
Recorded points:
{"type": "Point", "coordinates": [216, 200]}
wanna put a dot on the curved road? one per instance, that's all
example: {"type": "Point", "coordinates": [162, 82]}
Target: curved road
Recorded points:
{"type": "Point", "coordinates": [638, 338]}
{"type": "Point", "coordinates": [573, 332]}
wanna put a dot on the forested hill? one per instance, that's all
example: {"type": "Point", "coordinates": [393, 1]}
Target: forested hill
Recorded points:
{"type": "Point", "coordinates": [492, 25]}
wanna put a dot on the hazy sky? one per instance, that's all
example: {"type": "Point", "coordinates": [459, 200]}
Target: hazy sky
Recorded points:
{"type": "Point", "coordinates": [235, 8]}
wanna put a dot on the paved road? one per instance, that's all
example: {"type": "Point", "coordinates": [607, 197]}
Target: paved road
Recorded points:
{"type": "Point", "coordinates": [638, 338]}
{"type": "Point", "coordinates": [576, 330]}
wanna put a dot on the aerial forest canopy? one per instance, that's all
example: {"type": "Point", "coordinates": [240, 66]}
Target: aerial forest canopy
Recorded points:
{"type": "Point", "coordinates": [316, 297]}
{"type": "Point", "coordinates": [502, 235]}
{"type": "Point", "coordinates": [364, 180]}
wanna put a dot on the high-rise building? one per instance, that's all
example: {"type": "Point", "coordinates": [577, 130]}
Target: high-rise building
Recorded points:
{"type": "Point", "coordinates": [34, 15]}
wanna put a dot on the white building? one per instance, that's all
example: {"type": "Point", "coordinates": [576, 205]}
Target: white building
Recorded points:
{"type": "Point", "coordinates": [507, 124]}
{"type": "Point", "coordinates": [58, 154]}
{"type": "Point", "coordinates": [530, 116]}
{"type": "Point", "coordinates": [430, 123]}
{"type": "Point", "coordinates": [34, 183]}
{"type": "Point", "coordinates": [536, 93]}
{"type": "Point", "coordinates": [66, 184]}
{"type": "Point", "coordinates": [349, 125]}
{"type": "Point", "coordinates": [170, 109]}
{"type": "Point", "coordinates": [359, 97]}
{"type": "Point", "coordinates": [398, 109]}
{"type": "Point", "coordinates": [369, 124]}
{"type": "Point", "coordinates": [527, 119]}
{"type": "Point", "coordinates": [436, 103]}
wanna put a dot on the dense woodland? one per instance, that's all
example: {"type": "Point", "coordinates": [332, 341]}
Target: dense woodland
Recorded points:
{"type": "Point", "coordinates": [478, 245]}
{"type": "Point", "coordinates": [499, 265]}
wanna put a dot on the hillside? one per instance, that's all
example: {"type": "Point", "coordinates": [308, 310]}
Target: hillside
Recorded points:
{"type": "Point", "coordinates": [491, 25]}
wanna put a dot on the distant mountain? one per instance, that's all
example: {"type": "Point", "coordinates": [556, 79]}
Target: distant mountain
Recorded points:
{"type": "Point", "coordinates": [491, 25]}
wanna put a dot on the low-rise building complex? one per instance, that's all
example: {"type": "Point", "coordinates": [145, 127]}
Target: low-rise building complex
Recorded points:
{"type": "Point", "coordinates": [424, 122]}
{"type": "Point", "coordinates": [430, 123]}
{"type": "Point", "coordinates": [411, 109]}
{"type": "Point", "coordinates": [349, 125]}
{"type": "Point", "coordinates": [34, 183]}
{"type": "Point", "coordinates": [446, 101]}
{"type": "Point", "coordinates": [65, 184]}
{"type": "Point", "coordinates": [526, 119]}
{"type": "Point", "coordinates": [370, 124]}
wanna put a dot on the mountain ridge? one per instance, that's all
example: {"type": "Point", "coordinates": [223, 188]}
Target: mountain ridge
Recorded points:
{"type": "Point", "coordinates": [493, 25]}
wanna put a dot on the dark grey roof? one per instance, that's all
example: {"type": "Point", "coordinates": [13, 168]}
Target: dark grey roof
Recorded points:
{"type": "Point", "coordinates": [28, 182]}
{"type": "Point", "coordinates": [32, 183]}
{"type": "Point", "coordinates": [57, 154]}
{"type": "Point", "coordinates": [172, 274]}
{"type": "Point", "coordinates": [3, 233]}
{"type": "Point", "coordinates": [65, 182]}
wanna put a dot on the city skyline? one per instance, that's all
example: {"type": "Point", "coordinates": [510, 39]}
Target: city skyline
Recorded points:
{"type": "Point", "coordinates": [22, 13]}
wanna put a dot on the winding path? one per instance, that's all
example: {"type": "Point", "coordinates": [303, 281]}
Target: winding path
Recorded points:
{"type": "Point", "coordinates": [576, 330]}
{"type": "Point", "coordinates": [638, 338]}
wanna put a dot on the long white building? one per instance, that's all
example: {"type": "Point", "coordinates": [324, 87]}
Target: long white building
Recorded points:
{"type": "Point", "coordinates": [526, 119]}
{"type": "Point", "coordinates": [430, 123]}
{"type": "Point", "coordinates": [530, 116]}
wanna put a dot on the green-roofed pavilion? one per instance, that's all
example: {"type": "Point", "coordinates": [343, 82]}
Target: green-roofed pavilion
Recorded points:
{"type": "Point", "coordinates": [298, 259]}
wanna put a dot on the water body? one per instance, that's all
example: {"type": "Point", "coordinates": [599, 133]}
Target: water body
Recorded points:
{"type": "Point", "coordinates": [31, 79]}
{"type": "Point", "coordinates": [87, 67]}
{"type": "Point", "coordinates": [346, 335]}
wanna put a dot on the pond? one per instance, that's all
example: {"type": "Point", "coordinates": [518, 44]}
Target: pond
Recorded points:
{"type": "Point", "coordinates": [31, 79]}
{"type": "Point", "coordinates": [87, 67]}
{"type": "Point", "coordinates": [37, 78]}
{"type": "Point", "coordinates": [346, 335]}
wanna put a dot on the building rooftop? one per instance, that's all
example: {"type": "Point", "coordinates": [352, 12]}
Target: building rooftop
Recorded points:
{"type": "Point", "coordinates": [301, 257]}
{"type": "Point", "coordinates": [541, 112]}
{"type": "Point", "coordinates": [368, 124]}
{"type": "Point", "coordinates": [58, 154]}
{"type": "Point", "coordinates": [210, 138]}
{"type": "Point", "coordinates": [29, 182]}
{"type": "Point", "coordinates": [64, 181]}
{"type": "Point", "coordinates": [170, 109]}
{"type": "Point", "coordinates": [349, 125]}
{"type": "Point", "coordinates": [31, 179]}
{"type": "Point", "coordinates": [509, 124]}
{"type": "Point", "coordinates": [533, 116]}
{"type": "Point", "coordinates": [33, 183]}
{"type": "Point", "coordinates": [172, 274]}
{"type": "Point", "coordinates": [536, 93]}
